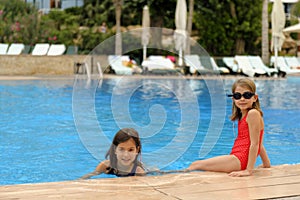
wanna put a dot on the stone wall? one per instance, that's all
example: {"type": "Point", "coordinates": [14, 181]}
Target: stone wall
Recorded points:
{"type": "Point", "coordinates": [27, 65]}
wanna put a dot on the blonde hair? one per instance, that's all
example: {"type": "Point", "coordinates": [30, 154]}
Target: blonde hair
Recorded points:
{"type": "Point", "coordinates": [250, 85]}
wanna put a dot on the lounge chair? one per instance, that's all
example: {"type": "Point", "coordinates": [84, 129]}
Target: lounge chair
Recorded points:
{"type": "Point", "coordinates": [3, 48]}
{"type": "Point", "coordinates": [196, 65]}
{"type": "Point", "coordinates": [72, 50]}
{"type": "Point", "coordinates": [281, 65]}
{"type": "Point", "coordinates": [222, 70]}
{"type": "Point", "coordinates": [161, 65]}
{"type": "Point", "coordinates": [292, 62]}
{"type": "Point", "coordinates": [27, 49]}
{"type": "Point", "coordinates": [15, 49]}
{"type": "Point", "coordinates": [56, 50]}
{"type": "Point", "coordinates": [157, 62]}
{"type": "Point", "coordinates": [231, 64]}
{"type": "Point", "coordinates": [257, 63]}
{"type": "Point", "coordinates": [247, 68]}
{"type": "Point", "coordinates": [210, 64]}
{"type": "Point", "coordinates": [40, 49]}
{"type": "Point", "coordinates": [284, 66]}
{"type": "Point", "coordinates": [116, 63]}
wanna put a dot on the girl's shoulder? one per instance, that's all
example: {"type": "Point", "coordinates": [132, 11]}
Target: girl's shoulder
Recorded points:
{"type": "Point", "coordinates": [253, 112]}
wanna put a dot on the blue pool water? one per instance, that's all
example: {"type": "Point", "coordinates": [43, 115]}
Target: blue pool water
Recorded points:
{"type": "Point", "coordinates": [57, 130]}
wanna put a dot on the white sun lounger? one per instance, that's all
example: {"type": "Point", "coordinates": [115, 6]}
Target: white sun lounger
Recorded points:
{"type": "Point", "coordinates": [56, 50]}
{"type": "Point", "coordinates": [222, 70]}
{"type": "Point", "coordinates": [15, 49]}
{"type": "Point", "coordinates": [294, 65]}
{"type": "Point", "coordinates": [197, 66]}
{"type": "Point", "coordinates": [211, 66]}
{"type": "Point", "coordinates": [230, 62]}
{"type": "Point", "coordinates": [292, 62]}
{"type": "Point", "coordinates": [283, 66]}
{"type": "Point", "coordinates": [247, 68]}
{"type": "Point", "coordinates": [3, 48]}
{"type": "Point", "coordinates": [158, 62]}
{"type": "Point", "coordinates": [40, 49]}
{"type": "Point", "coordinates": [116, 63]}
{"type": "Point", "coordinates": [257, 63]}
{"type": "Point", "coordinates": [193, 61]}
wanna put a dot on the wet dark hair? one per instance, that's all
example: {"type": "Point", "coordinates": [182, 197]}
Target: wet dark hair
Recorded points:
{"type": "Point", "coordinates": [250, 85]}
{"type": "Point", "coordinates": [121, 136]}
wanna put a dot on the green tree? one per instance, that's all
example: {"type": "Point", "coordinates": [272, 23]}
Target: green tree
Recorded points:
{"type": "Point", "coordinates": [95, 12]}
{"type": "Point", "coordinates": [229, 27]}
{"type": "Point", "coordinates": [296, 9]}
{"type": "Point", "coordinates": [226, 27]}
{"type": "Point", "coordinates": [162, 14]}
{"type": "Point", "coordinates": [18, 22]}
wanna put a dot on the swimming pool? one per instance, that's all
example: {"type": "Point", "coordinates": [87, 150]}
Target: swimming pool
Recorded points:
{"type": "Point", "coordinates": [56, 130]}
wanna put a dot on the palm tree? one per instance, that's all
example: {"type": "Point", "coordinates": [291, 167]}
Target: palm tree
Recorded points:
{"type": "Point", "coordinates": [56, 3]}
{"type": "Point", "coordinates": [189, 26]}
{"type": "Point", "coordinates": [265, 33]}
{"type": "Point", "coordinates": [118, 9]}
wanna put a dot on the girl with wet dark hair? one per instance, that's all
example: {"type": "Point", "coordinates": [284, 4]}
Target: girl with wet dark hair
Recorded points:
{"type": "Point", "coordinates": [122, 156]}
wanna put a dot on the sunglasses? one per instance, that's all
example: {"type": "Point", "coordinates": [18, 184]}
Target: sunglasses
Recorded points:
{"type": "Point", "coordinates": [237, 95]}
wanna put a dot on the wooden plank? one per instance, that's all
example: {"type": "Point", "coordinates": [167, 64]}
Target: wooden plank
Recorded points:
{"type": "Point", "coordinates": [276, 182]}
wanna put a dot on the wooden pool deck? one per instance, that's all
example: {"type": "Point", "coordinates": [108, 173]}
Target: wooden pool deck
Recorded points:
{"type": "Point", "coordinates": [278, 182]}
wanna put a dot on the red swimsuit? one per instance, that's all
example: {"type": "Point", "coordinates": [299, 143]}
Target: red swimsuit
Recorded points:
{"type": "Point", "coordinates": [241, 145]}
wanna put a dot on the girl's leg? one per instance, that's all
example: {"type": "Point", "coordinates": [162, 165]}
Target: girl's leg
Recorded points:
{"type": "Point", "coordinates": [226, 163]}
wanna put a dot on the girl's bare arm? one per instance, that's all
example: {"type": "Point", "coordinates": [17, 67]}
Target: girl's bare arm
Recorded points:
{"type": "Point", "coordinates": [101, 168]}
{"type": "Point", "coordinates": [264, 157]}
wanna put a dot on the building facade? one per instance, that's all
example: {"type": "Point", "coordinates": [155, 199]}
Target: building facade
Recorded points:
{"type": "Point", "coordinates": [46, 5]}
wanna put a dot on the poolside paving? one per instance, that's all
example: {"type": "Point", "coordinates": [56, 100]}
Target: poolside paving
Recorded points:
{"type": "Point", "coordinates": [278, 182]}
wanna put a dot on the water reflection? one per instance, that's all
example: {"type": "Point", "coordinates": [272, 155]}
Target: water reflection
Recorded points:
{"type": "Point", "coordinates": [175, 117]}
{"type": "Point", "coordinates": [279, 94]}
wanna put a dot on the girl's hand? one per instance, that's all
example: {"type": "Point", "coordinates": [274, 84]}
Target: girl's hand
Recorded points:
{"type": "Point", "coordinates": [264, 166]}
{"type": "Point", "coordinates": [240, 173]}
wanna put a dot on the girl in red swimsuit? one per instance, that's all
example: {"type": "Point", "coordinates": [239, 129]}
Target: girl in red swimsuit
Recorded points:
{"type": "Point", "coordinates": [249, 142]}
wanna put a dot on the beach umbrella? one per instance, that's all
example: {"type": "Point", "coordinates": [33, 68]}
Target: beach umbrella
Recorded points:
{"type": "Point", "coordinates": [292, 29]}
{"type": "Point", "coordinates": [180, 31]}
{"type": "Point", "coordinates": [287, 1]}
{"type": "Point", "coordinates": [278, 23]}
{"type": "Point", "coordinates": [146, 30]}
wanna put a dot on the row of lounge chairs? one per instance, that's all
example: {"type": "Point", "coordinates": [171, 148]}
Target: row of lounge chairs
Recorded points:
{"type": "Point", "coordinates": [13, 49]}
{"type": "Point", "coordinates": [253, 65]}
{"type": "Point", "coordinates": [156, 64]}
{"type": "Point", "coordinates": [153, 64]}
{"type": "Point", "coordinates": [40, 49]}
{"type": "Point", "coordinates": [287, 64]}
{"type": "Point", "coordinates": [197, 64]}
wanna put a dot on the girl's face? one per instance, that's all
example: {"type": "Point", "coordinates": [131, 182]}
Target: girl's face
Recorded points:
{"type": "Point", "coordinates": [244, 103]}
{"type": "Point", "coordinates": [126, 152]}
